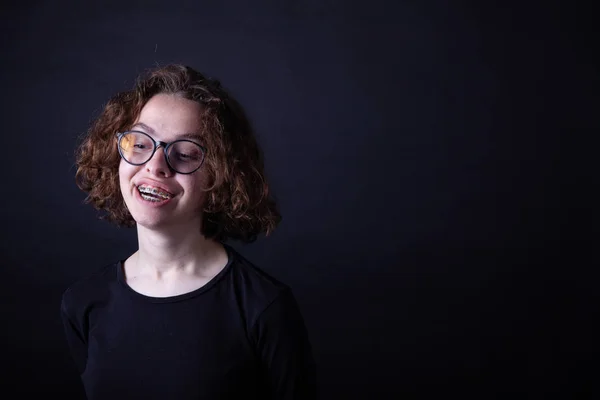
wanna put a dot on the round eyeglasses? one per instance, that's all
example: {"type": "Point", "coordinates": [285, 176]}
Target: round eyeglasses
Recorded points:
{"type": "Point", "coordinates": [183, 156]}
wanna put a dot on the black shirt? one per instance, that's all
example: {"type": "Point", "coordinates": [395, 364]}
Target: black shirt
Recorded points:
{"type": "Point", "coordinates": [240, 336]}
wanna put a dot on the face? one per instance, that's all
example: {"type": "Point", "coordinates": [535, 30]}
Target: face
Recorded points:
{"type": "Point", "coordinates": [155, 195]}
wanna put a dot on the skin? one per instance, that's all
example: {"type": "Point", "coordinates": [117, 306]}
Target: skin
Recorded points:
{"type": "Point", "coordinates": [173, 256]}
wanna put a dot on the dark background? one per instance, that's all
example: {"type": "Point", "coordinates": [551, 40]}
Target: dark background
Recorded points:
{"type": "Point", "coordinates": [430, 158]}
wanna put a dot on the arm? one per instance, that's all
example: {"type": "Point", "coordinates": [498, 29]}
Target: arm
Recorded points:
{"type": "Point", "coordinates": [75, 338]}
{"type": "Point", "coordinates": [285, 351]}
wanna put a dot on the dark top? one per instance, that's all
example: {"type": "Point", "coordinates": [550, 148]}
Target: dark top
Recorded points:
{"type": "Point", "coordinates": [240, 336]}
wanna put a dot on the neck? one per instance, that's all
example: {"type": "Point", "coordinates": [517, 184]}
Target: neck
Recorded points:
{"type": "Point", "coordinates": [183, 250]}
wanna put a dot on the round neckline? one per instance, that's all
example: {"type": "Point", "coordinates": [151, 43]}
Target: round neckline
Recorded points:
{"type": "Point", "coordinates": [180, 297]}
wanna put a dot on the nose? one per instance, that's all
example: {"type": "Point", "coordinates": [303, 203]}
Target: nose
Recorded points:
{"type": "Point", "coordinates": [157, 165]}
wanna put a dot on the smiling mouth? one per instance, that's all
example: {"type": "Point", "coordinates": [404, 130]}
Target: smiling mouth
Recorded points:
{"type": "Point", "coordinates": [153, 194]}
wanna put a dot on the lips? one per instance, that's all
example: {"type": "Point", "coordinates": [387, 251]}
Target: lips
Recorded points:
{"type": "Point", "coordinates": [153, 193]}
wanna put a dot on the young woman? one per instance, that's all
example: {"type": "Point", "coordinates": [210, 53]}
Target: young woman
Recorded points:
{"type": "Point", "coordinates": [185, 316]}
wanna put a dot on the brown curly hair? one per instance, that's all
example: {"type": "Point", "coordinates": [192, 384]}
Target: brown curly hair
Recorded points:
{"type": "Point", "coordinates": [238, 206]}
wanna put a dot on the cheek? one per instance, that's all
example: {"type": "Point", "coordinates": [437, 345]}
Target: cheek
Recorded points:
{"type": "Point", "coordinates": [121, 173]}
{"type": "Point", "coordinates": [197, 190]}
{"type": "Point", "coordinates": [125, 175]}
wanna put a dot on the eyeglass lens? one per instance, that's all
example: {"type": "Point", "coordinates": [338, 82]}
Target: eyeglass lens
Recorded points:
{"type": "Point", "coordinates": [183, 156]}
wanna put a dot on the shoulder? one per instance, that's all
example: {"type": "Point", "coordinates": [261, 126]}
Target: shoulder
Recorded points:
{"type": "Point", "coordinates": [256, 289]}
{"type": "Point", "coordinates": [90, 287]}
{"type": "Point", "coordinates": [255, 279]}
{"type": "Point", "coordinates": [274, 321]}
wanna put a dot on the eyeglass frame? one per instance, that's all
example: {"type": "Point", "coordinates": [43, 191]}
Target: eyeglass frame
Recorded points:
{"type": "Point", "coordinates": [157, 144]}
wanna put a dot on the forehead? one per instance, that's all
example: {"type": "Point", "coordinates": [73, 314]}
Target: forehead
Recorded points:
{"type": "Point", "coordinates": [168, 116]}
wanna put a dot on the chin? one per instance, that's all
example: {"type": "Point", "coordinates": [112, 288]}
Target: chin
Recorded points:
{"type": "Point", "coordinates": [155, 222]}
{"type": "Point", "coordinates": [151, 223]}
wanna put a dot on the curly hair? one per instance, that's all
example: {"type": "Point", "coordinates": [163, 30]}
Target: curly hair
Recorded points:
{"type": "Point", "coordinates": [238, 206]}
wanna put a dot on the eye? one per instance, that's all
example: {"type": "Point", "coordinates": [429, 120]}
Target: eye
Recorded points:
{"type": "Point", "coordinates": [187, 156]}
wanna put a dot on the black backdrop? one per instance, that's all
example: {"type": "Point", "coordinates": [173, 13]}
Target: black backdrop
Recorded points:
{"type": "Point", "coordinates": [427, 158]}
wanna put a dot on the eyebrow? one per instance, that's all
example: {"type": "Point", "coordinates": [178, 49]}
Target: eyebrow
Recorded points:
{"type": "Point", "coordinates": [143, 126]}
{"type": "Point", "coordinates": [147, 128]}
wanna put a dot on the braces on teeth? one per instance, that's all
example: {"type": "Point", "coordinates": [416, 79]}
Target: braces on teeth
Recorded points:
{"type": "Point", "coordinates": [153, 194]}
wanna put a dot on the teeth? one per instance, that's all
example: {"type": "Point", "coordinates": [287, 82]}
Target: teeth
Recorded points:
{"type": "Point", "coordinates": [145, 191]}
{"type": "Point", "coordinates": [150, 198]}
